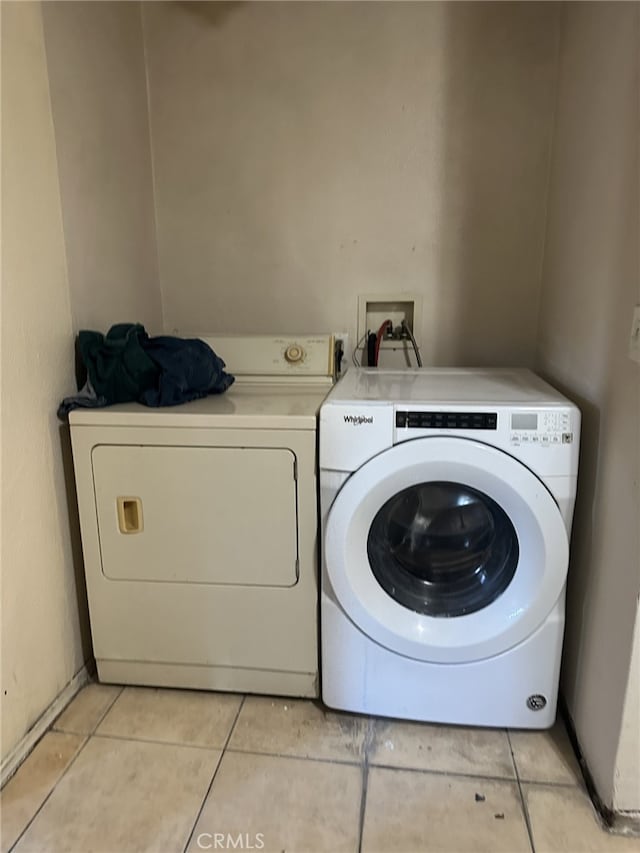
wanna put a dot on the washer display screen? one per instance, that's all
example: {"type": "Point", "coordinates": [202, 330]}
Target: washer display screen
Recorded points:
{"type": "Point", "coordinates": [524, 420]}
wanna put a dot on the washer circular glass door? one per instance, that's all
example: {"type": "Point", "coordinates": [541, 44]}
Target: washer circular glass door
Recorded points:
{"type": "Point", "coordinates": [446, 549]}
{"type": "Point", "coordinates": [442, 548]}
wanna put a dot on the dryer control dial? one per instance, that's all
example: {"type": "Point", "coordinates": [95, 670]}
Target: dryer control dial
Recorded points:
{"type": "Point", "coordinates": [294, 353]}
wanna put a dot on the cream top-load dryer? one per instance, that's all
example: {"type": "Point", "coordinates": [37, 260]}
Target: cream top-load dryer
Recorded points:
{"type": "Point", "coordinates": [199, 526]}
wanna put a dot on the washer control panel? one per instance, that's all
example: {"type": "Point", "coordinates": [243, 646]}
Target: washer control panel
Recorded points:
{"type": "Point", "coordinates": [543, 428]}
{"type": "Point", "coordinates": [446, 420]}
{"type": "Point", "coordinates": [550, 427]}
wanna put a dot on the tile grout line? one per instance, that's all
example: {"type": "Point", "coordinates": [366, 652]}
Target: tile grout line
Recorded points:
{"type": "Point", "coordinates": [365, 779]}
{"type": "Point", "coordinates": [215, 773]}
{"type": "Point", "coordinates": [459, 775]}
{"type": "Point", "coordinates": [206, 747]}
{"type": "Point", "coordinates": [525, 810]}
{"type": "Point", "coordinates": [545, 784]}
{"type": "Point", "coordinates": [87, 738]}
{"type": "Point", "coordinates": [100, 720]}
{"type": "Point", "coordinates": [109, 707]}
{"type": "Point", "coordinates": [336, 761]}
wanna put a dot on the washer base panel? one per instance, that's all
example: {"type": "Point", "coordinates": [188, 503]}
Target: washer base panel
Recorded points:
{"type": "Point", "coordinates": [361, 676]}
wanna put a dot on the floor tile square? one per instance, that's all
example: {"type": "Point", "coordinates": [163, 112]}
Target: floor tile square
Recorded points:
{"type": "Point", "coordinates": [545, 756]}
{"type": "Point", "coordinates": [414, 811]}
{"type": "Point", "coordinates": [86, 710]}
{"type": "Point", "coordinates": [124, 796]}
{"type": "Point", "coordinates": [299, 728]}
{"type": "Point", "coordinates": [25, 792]}
{"type": "Point", "coordinates": [450, 749]}
{"type": "Point", "coordinates": [190, 717]}
{"type": "Point", "coordinates": [281, 804]}
{"type": "Point", "coordinates": [563, 820]}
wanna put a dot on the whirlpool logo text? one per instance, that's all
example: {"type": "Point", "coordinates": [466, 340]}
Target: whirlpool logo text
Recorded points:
{"type": "Point", "coordinates": [358, 420]}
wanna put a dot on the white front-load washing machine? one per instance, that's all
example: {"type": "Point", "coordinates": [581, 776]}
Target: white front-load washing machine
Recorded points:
{"type": "Point", "coordinates": [446, 497]}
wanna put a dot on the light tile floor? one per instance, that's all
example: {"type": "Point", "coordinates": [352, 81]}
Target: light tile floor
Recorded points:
{"type": "Point", "coordinates": [138, 769]}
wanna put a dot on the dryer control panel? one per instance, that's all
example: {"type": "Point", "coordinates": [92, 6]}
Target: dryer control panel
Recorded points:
{"type": "Point", "coordinates": [278, 356]}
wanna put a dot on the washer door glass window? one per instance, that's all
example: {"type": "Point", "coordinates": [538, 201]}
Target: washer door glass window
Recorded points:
{"type": "Point", "coordinates": [442, 549]}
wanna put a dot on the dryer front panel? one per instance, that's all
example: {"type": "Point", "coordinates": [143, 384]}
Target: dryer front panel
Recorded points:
{"type": "Point", "coordinates": [206, 515]}
{"type": "Point", "coordinates": [446, 550]}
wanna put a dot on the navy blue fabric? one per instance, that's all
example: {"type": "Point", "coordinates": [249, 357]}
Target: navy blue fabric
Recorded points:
{"type": "Point", "coordinates": [127, 365]}
{"type": "Point", "coordinates": [86, 398]}
{"type": "Point", "coordinates": [117, 364]}
{"type": "Point", "coordinates": [189, 369]}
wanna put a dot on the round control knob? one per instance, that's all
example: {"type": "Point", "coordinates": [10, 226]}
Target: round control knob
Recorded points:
{"type": "Point", "coordinates": [294, 353]}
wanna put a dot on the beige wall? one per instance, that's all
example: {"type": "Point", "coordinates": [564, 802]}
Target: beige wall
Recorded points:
{"type": "Point", "coordinates": [590, 284]}
{"type": "Point", "coordinates": [308, 152]}
{"type": "Point", "coordinates": [41, 632]}
{"type": "Point", "coordinates": [99, 100]}
{"type": "Point", "coordinates": [78, 251]}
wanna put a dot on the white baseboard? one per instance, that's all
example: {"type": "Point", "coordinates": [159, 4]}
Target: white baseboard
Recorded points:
{"type": "Point", "coordinates": [18, 754]}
